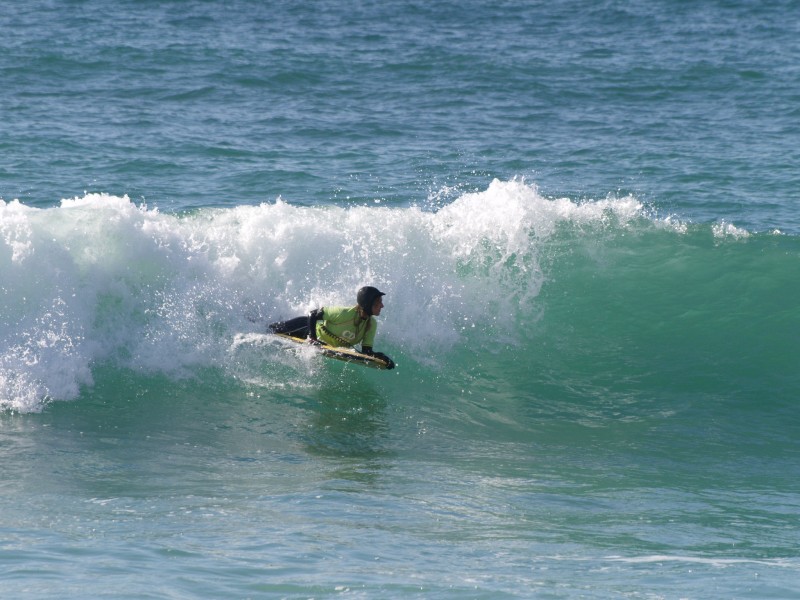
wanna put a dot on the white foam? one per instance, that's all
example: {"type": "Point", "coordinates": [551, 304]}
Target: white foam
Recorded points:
{"type": "Point", "coordinates": [724, 229]}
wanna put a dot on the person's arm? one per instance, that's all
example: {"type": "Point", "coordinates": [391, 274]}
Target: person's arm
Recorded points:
{"type": "Point", "coordinates": [314, 316]}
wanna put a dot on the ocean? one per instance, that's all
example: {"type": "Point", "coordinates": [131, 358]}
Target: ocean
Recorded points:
{"type": "Point", "coordinates": [584, 215]}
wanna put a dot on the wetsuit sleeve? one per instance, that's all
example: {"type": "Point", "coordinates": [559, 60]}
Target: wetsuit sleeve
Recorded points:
{"type": "Point", "coordinates": [314, 316]}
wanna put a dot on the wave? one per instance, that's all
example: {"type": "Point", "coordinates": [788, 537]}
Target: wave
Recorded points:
{"type": "Point", "coordinates": [601, 287]}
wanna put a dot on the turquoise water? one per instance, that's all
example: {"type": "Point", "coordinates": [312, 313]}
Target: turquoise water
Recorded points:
{"type": "Point", "coordinates": [585, 219]}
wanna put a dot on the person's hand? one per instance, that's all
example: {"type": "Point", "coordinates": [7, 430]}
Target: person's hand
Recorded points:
{"type": "Point", "coordinates": [313, 341]}
{"type": "Point", "coordinates": [383, 357]}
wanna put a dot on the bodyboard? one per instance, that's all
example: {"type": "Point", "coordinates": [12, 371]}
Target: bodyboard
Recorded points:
{"type": "Point", "coordinates": [344, 354]}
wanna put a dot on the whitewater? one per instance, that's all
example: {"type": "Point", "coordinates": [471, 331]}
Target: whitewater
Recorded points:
{"type": "Point", "coordinates": [101, 280]}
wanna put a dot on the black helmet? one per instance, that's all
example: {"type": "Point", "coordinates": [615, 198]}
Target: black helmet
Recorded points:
{"type": "Point", "coordinates": [366, 298]}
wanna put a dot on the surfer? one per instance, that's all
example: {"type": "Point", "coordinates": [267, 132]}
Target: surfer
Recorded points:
{"type": "Point", "coordinates": [341, 325]}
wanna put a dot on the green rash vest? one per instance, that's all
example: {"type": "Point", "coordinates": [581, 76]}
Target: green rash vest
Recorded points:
{"type": "Point", "coordinates": [345, 323]}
